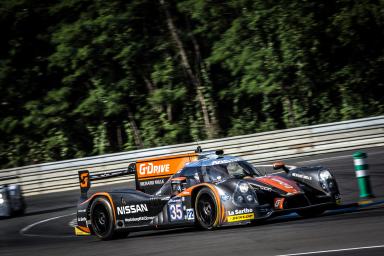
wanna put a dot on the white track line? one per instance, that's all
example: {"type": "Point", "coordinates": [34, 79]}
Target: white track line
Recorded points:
{"type": "Point", "coordinates": [22, 231]}
{"type": "Point", "coordinates": [337, 250]}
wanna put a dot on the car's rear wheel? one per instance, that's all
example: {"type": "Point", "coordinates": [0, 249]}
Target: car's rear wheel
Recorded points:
{"type": "Point", "coordinates": [102, 218]}
{"type": "Point", "coordinates": [206, 209]}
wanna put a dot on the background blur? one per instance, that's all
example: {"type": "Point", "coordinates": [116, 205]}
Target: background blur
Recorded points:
{"type": "Point", "coordinates": [88, 77]}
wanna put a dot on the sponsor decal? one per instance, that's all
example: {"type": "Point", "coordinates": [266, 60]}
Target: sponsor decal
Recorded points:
{"type": "Point", "coordinates": [152, 182]}
{"type": "Point", "coordinates": [84, 180]}
{"type": "Point", "coordinates": [82, 210]}
{"type": "Point", "coordinates": [150, 168]}
{"type": "Point", "coordinates": [224, 161]}
{"type": "Point", "coordinates": [128, 209]}
{"type": "Point", "coordinates": [175, 200]}
{"type": "Point", "coordinates": [143, 218]}
{"type": "Point", "coordinates": [279, 203]}
{"type": "Point", "coordinates": [239, 211]}
{"type": "Point", "coordinates": [262, 187]}
{"type": "Point", "coordinates": [302, 176]}
{"type": "Point", "coordinates": [241, 217]}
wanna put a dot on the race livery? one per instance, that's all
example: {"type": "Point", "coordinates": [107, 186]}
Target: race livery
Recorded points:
{"type": "Point", "coordinates": [206, 189]}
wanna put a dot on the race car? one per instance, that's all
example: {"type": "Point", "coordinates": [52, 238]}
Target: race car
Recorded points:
{"type": "Point", "coordinates": [204, 189]}
{"type": "Point", "coordinates": [12, 202]}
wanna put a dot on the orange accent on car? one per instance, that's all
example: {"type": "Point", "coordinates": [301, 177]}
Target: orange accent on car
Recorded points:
{"type": "Point", "coordinates": [109, 198]}
{"type": "Point", "coordinates": [84, 180]}
{"type": "Point", "coordinates": [162, 166]}
{"type": "Point", "coordinates": [280, 183]}
{"type": "Point", "coordinates": [278, 203]}
{"type": "Point", "coordinates": [84, 229]}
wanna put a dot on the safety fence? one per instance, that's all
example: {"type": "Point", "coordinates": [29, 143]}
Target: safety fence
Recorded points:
{"type": "Point", "coordinates": [257, 148]}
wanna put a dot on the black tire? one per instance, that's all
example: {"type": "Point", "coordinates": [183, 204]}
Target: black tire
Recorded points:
{"type": "Point", "coordinates": [102, 221]}
{"type": "Point", "coordinates": [309, 213]}
{"type": "Point", "coordinates": [206, 209]}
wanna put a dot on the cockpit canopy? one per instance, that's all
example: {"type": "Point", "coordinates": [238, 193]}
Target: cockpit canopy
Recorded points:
{"type": "Point", "coordinates": [212, 170]}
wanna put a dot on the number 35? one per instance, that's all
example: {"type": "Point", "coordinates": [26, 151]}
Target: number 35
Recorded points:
{"type": "Point", "coordinates": [176, 211]}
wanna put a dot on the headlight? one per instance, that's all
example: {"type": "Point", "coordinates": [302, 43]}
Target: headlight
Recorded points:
{"type": "Point", "coordinates": [1, 195]}
{"type": "Point", "coordinates": [250, 198]}
{"type": "Point", "coordinates": [243, 187]}
{"type": "Point", "coordinates": [240, 199]}
{"type": "Point", "coordinates": [1, 200]}
{"type": "Point", "coordinates": [325, 175]}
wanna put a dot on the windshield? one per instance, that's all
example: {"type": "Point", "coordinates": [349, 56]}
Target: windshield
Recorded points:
{"type": "Point", "coordinates": [239, 169]}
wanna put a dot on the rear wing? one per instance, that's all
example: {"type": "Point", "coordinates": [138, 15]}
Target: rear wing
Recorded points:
{"type": "Point", "coordinates": [85, 178]}
{"type": "Point", "coordinates": [150, 173]}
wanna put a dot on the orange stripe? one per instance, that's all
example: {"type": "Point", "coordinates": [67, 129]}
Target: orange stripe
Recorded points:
{"type": "Point", "coordinates": [84, 229]}
{"type": "Point", "coordinates": [109, 198]}
{"type": "Point", "coordinates": [280, 183]}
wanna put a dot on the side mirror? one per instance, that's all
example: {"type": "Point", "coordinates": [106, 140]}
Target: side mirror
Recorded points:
{"type": "Point", "coordinates": [280, 165]}
{"type": "Point", "coordinates": [131, 168]}
{"type": "Point", "coordinates": [178, 184]}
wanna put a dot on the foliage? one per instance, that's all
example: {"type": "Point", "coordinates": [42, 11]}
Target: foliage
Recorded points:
{"type": "Point", "coordinates": [81, 77]}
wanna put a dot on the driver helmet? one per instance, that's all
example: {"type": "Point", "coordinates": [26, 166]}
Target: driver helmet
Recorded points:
{"type": "Point", "coordinates": [234, 169]}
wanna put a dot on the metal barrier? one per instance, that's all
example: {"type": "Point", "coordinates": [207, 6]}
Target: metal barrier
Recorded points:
{"type": "Point", "coordinates": [256, 148]}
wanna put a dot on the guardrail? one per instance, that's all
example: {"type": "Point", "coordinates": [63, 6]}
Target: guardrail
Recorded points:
{"type": "Point", "coordinates": [256, 148]}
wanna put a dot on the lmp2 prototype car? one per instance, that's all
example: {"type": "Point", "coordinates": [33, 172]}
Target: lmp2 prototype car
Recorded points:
{"type": "Point", "coordinates": [206, 189]}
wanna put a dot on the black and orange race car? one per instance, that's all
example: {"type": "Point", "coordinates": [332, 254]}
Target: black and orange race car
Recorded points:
{"type": "Point", "coordinates": [206, 189]}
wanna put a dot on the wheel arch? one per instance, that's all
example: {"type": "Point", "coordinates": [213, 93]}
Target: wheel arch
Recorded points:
{"type": "Point", "coordinates": [213, 189]}
{"type": "Point", "coordinates": [106, 196]}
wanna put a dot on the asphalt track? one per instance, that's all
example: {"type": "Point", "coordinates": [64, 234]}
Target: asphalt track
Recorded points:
{"type": "Point", "coordinates": [45, 229]}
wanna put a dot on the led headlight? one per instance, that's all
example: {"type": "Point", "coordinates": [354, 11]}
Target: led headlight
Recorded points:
{"type": "Point", "coordinates": [326, 179]}
{"type": "Point", "coordinates": [243, 187]}
{"type": "Point", "coordinates": [250, 198]}
{"type": "Point", "coordinates": [240, 199]}
{"type": "Point", "coordinates": [325, 175]}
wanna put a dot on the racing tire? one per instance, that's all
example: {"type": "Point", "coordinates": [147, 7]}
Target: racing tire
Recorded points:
{"type": "Point", "coordinates": [102, 221]}
{"type": "Point", "coordinates": [206, 209]}
{"type": "Point", "coordinates": [310, 213]}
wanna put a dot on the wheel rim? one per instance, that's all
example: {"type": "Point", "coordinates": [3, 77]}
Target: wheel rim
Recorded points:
{"type": "Point", "coordinates": [206, 210]}
{"type": "Point", "coordinates": [100, 219]}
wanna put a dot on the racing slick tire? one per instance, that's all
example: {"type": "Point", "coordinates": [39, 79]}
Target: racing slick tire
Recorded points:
{"type": "Point", "coordinates": [206, 209]}
{"type": "Point", "coordinates": [309, 213]}
{"type": "Point", "coordinates": [102, 219]}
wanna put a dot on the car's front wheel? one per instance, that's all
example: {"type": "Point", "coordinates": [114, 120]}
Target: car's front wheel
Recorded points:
{"type": "Point", "coordinates": [102, 218]}
{"type": "Point", "coordinates": [206, 209]}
